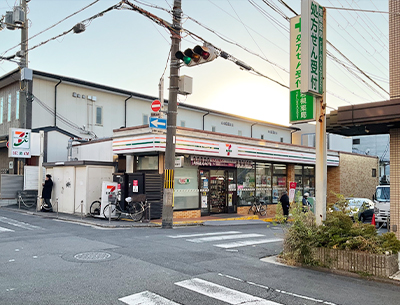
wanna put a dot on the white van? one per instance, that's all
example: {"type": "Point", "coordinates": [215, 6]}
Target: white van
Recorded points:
{"type": "Point", "coordinates": [382, 204]}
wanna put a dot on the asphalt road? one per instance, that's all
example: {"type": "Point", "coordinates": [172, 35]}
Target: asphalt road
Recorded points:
{"type": "Point", "coordinates": [46, 261]}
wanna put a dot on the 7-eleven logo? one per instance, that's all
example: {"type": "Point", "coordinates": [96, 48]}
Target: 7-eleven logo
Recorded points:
{"type": "Point", "coordinates": [228, 149]}
{"type": "Point", "coordinates": [110, 189]}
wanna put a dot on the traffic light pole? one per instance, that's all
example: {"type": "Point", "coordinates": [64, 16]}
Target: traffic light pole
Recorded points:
{"type": "Point", "coordinates": [169, 167]}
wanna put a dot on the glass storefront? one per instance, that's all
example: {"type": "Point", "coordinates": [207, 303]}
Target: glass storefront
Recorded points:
{"type": "Point", "coordinates": [263, 181]}
{"type": "Point", "coordinates": [246, 186]}
{"type": "Point", "coordinates": [278, 181]}
{"type": "Point", "coordinates": [186, 195]}
{"type": "Point", "coordinates": [305, 178]}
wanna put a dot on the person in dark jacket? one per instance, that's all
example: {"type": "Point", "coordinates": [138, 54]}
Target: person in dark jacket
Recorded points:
{"type": "Point", "coordinates": [285, 205]}
{"type": "Point", "coordinates": [46, 193]}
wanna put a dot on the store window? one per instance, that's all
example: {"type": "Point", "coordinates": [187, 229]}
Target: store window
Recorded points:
{"type": "Point", "coordinates": [263, 181]}
{"type": "Point", "coordinates": [246, 185]}
{"type": "Point", "coordinates": [186, 192]}
{"type": "Point", "coordinates": [305, 179]}
{"type": "Point", "coordinates": [278, 181]}
{"type": "Point", "coordinates": [147, 163]}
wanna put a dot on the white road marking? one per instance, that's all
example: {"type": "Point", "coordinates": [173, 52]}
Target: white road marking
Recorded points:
{"type": "Point", "coordinates": [222, 293]}
{"type": "Point", "coordinates": [204, 234]}
{"type": "Point", "coordinates": [5, 230]}
{"type": "Point", "coordinates": [244, 243]}
{"type": "Point", "coordinates": [19, 224]}
{"type": "Point", "coordinates": [225, 237]}
{"type": "Point", "coordinates": [277, 290]}
{"type": "Point", "coordinates": [146, 298]}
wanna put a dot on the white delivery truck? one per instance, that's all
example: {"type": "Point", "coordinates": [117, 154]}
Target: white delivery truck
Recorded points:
{"type": "Point", "coordinates": [382, 205]}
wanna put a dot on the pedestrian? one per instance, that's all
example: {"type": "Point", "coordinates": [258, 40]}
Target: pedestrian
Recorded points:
{"type": "Point", "coordinates": [285, 205]}
{"type": "Point", "coordinates": [306, 203]}
{"type": "Point", "coordinates": [46, 194]}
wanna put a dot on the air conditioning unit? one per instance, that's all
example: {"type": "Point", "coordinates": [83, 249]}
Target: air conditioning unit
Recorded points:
{"type": "Point", "coordinates": [19, 15]}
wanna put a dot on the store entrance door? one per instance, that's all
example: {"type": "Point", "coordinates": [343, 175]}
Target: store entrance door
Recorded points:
{"type": "Point", "coordinates": [218, 191]}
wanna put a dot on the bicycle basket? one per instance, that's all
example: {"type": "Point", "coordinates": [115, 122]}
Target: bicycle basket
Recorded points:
{"type": "Point", "coordinates": [139, 198]}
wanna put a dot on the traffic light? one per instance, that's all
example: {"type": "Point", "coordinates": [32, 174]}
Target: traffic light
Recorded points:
{"type": "Point", "coordinates": [198, 55]}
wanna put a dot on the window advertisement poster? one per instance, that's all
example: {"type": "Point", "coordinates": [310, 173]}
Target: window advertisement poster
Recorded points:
{"type": "Point", "coordinates": [301, 105]}
{"type": "Point", "coordinates": [20, 143]}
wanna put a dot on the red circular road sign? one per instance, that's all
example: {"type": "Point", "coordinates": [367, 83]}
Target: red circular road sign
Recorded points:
{"type": "Point", "coordinates": [156, 105]}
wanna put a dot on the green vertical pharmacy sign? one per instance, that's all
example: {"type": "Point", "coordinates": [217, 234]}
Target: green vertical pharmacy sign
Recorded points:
{"type": "Point", "coordinates": [302, 108]}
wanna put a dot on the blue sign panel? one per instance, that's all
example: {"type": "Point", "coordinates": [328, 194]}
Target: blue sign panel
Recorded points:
{"type": "Point", "coordinates": [158, 123]}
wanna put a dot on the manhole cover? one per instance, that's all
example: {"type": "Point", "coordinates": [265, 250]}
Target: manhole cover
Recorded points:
{"type": "Point", "coordinates": [92, 256]}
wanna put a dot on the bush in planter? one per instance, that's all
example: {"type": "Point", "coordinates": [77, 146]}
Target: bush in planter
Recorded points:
{"type": "Point", "coordinates": [337, 232]}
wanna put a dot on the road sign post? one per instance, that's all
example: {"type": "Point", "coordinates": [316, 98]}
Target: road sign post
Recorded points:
{"type": "Point", "coordinates": [156, 106]}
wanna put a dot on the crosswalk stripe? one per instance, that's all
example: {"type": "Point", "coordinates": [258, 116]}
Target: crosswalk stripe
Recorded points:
{"type": "Point", "coordinates": [147, 298]}
{"type": "Point", "coordinates": [204, 234]}
{"type": "Point", "coordinates": [225, 237]}
{"type": "Point", "coordinates": [19, 224]}
{"type": "Point", "coordinates": [244, 243]}
{"type": "Point", "coordinates": [5, 230]}
{"type": "Point", "coordinates": [222, 293]}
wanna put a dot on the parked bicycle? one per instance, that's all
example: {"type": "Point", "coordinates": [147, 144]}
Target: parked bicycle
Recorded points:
{"type": "Point", "coordinates": [135, 208]}
{"type": "Point", "coordinates": [95, 208]}
{"type": "Point", "coordinates": [258, 206]}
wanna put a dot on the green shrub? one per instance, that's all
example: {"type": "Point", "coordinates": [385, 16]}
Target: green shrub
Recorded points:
{"type": "Point", "coordinates": [337, 232]}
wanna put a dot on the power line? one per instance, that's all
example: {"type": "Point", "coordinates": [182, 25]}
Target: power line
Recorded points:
{"type": "Point", "coordinates": [50, 27]}
{"type": "Point", "coordinates": [354, 65]}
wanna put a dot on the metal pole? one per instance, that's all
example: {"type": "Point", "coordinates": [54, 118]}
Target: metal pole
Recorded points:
{"type": "Point", "coordinates": [168, 199]}
{"type": "Point", "coordinates": [320, 145]}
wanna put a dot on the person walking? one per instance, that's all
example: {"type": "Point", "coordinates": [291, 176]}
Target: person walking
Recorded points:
{"type": "Point", "coordinates": [46, 194]}
{"type": "Point", "coordinates": [285, 205]}
{"type": "Point", "coordinates": [306, 203]}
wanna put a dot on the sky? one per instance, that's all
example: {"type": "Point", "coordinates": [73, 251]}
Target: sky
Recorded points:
{"type": "Point", "coordinates": [126, 50]}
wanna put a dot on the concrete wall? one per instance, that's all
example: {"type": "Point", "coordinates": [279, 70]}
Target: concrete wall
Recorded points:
{"type": "Point", "coordinates": [101, 151]}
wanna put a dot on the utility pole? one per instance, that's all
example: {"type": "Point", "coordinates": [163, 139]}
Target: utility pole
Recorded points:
{"type": "Point", "coordinates": [169, 167]}
{"type": "Point", "coordinates": [26, 85]}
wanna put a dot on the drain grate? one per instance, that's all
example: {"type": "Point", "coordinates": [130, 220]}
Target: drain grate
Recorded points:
{"type": "Point", "coordinates": [92, 256]}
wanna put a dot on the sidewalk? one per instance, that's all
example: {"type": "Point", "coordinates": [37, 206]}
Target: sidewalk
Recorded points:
{"type": "Point", "coordinates": [218, 219]}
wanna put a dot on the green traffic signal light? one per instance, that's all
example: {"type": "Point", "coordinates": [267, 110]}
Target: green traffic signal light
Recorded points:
{"type": "Point", "coordinates": [186, 59]}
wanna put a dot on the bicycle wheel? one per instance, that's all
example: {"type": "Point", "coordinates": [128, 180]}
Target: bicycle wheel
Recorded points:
{"type": "Point", "coordinates": [95, 208]}
{"type": "Point", "coordinates": [263, 210]}
{"type": "Point", "coordinates": [252, 209]}
{"type": "Point", "coordinates": [136, 210]}
{"type": "Point", "coordinates": [114, 210]}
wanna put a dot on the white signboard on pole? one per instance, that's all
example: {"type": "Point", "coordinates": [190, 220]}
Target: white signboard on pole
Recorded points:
{"type": "Point", "coordinates": [312, 55]}
{"type": "Point", "coordinates": [20, 143]}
